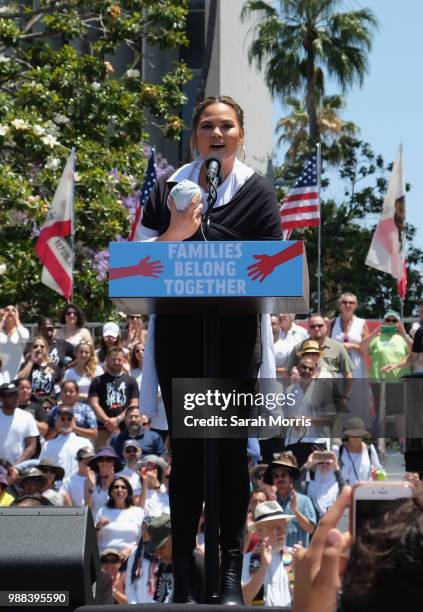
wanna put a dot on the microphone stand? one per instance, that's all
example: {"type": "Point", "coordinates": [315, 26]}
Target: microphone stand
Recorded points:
{"type": "Point", "coordinates": [211, 201]}
{"type": "Point", "coordinates": [211, 329]}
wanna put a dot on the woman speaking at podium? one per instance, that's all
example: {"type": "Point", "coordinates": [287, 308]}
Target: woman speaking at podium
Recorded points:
{"type": "Point", "coordinates": [245, 209]}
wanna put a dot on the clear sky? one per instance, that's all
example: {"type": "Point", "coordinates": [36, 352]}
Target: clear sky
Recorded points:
{"type": "Point", "coordinates": [389, 107]}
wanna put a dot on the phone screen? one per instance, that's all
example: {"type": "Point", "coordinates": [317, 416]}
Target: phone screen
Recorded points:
{"type": "Point", "coordinates": [366, 509]}
{"type": "Point", "coordinates": [388, 329]}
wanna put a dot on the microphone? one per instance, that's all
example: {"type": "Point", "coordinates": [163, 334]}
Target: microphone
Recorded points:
{"type": "Point", "coordinates": [213, 165]}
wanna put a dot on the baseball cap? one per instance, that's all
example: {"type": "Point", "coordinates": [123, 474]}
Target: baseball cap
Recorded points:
{"type": "Point", "coordinates": [111, 329]}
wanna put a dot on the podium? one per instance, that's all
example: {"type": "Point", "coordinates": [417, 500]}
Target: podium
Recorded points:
{"type": "Point", "coordinates": [212, 279]}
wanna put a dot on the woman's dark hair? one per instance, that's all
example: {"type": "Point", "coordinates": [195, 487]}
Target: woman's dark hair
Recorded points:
{"type": "Point", "coordinates": [133, 360]}
{"type": "Point", "coordinates": [129, 501]}
{"type": "Point", "coordinates": [208, 102]}
{"type": "Point", "coordinates": [71, 382]}
{"type": "Point", "coordinates": [103, 350]}
{"type": "Point", "coordinates": [385, 568]}
{"type": "Point", "coordinates": [80, 316]}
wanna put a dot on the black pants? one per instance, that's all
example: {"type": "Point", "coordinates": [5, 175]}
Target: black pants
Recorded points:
{"type": "Point", "coordinates": [179, 354]}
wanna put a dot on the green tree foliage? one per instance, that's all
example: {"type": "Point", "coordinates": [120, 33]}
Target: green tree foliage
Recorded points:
{"type": "Point", "coordinates": [336, 135]}
{"type": "Point", "coordinates": [300, 42]}
{"type": "Point", "coordinates": [346, 232]}
{"type": "Point", "coordinates": [60, 87]}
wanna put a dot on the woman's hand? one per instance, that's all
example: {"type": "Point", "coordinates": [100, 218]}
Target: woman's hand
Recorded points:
{"type": "Point", "coordinates": [310, 461]}
{"type": "Point", "coordinates": [102, 523]}
{"type": "Point", "coordinates": [183, 224]}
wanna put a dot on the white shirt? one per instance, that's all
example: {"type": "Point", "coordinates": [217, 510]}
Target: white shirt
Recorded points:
{"type": "Point", "coordinates": [157, 503]}
{"type": "Point", "coordinates": [124, 527]}
{"type": "Point", "coordinates": [316, 400]}
{"type": "Point", "coordinates": [133, 477]}
{"type": "Point", "coordinates": [11, 350]}
{"type": "Point", "coordinates": [358, 464]}
{"type": "Point", "coordinates": [83, 380]}
{"type": "Point", "coordinates": [276, 583]}
{"type": "Point", "coordinates": [74, 487]}
{"type": "Point", "coordinates": [287, 341]}
{"type": "Point", "coordinates": [137, 591]}
{"type": "Point", "coordinates": [63, 450]}
{"type": "Point", "coordinates": [14, 429]}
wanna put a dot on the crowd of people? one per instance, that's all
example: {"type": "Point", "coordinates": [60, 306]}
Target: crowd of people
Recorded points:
{"type": "Point", "coordinates": [73, 433]}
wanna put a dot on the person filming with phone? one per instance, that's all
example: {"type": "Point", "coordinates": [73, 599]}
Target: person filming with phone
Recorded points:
{"type": "Point", "coordinates": [388, 345]}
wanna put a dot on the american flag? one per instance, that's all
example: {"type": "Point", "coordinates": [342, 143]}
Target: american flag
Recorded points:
{"type": "Point", "coordinates": [300, 208]}
{"type": "Point", "coordinates": [149, 182]}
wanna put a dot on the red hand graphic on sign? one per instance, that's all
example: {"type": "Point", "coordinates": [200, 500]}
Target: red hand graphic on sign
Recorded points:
{"type": "Point", "coordinates": [143, 268]}
{"type": "Point", "coordinates": [265, 264]}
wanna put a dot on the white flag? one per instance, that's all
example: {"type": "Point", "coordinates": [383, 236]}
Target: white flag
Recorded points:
{"type": "Point", "coordinates": [385, 250]}
{"type": "Point", "coordinates": [52, 248]}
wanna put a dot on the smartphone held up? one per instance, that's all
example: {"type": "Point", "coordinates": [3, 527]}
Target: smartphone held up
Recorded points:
{"type": "Point", "coordinates": [371, 499]}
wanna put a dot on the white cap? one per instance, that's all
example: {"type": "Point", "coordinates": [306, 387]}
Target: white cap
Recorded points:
{"type": "Point", "coordinates": [111, 329]}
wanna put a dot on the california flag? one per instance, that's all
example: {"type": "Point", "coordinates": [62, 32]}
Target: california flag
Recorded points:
{"type": "Point", "coordinates": [385, 252]}
{"type": "Point", "coordinates": [52, 247]}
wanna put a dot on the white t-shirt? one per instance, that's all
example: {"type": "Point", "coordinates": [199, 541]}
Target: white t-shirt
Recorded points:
{"type": "Point", "coordinates": [14, 429]}
{"type": "Point", "coordinates": [133, 477]}
{"type": "Point", "coordinates": [124, 527]}
{"type": "Point", "coordinates": [99, 499]}
{"type": "Point", "coordinates": [11, 350]}
{"type": "Point", "coordinates": [358, 464]}
{"type": "Point", "coordinates": [157, 503]}
{"type": "Point", "coordinates": [83, 380]}
{"type": "Point", "coordinates": [286, 342]}
{"type": "Point", "coordinates": [315, 401]}
{"type": "Point", "coordinates": [63, 450]}
{"type": "Point", "coordinates": [74, 487]}
{"type": "Point", "coordinates": [137, 591]}
{"type": "Point", "coordinates": [276, 583]}
{"type": "Point", "coordinates": [137, 374]}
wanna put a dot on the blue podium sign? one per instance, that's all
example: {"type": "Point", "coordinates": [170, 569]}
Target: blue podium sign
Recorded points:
{"type": "Point", "coordinates": [207, 270]}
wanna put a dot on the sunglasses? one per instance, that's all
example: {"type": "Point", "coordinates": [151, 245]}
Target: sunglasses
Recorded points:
{"type": "Point", "coordinates": [307, 368]}
{"type": "Point", "coordinates": [108, 560]}
{"type": "Point", "coordinates": [117, 487]}
{"type": "Point", "coordinates": [139, 351]}
{"type": "Point", "coordinates": [391, 320]}
{"type": "Point", "coordinates": [317, 325]}
{"type": "Point", "coordinates": [259, 475]}
{"type": "Point", "coordinates": [347, 302]}
{"type": "Point", "coordinates": [37, 346]}
{"type": "Point", "coordinates": [70, 312]}
{"type": "Point", "coordinates": [135, 317]}
{"type": "Point", "coordinates": [131, 450]}
{"type": "Point", "coordinates": [66, 418]}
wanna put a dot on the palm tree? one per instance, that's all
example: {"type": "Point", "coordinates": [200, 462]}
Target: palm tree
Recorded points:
{"type": "Point", "coordinates": [302, 40]}
{"type": "Point", "coordinates": [335, 134]}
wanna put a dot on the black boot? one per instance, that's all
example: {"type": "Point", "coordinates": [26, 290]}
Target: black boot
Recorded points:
{"type": "Point", "coordinates": [183, 580]}
{"type": "Point", "coordinates": [230, 586]}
